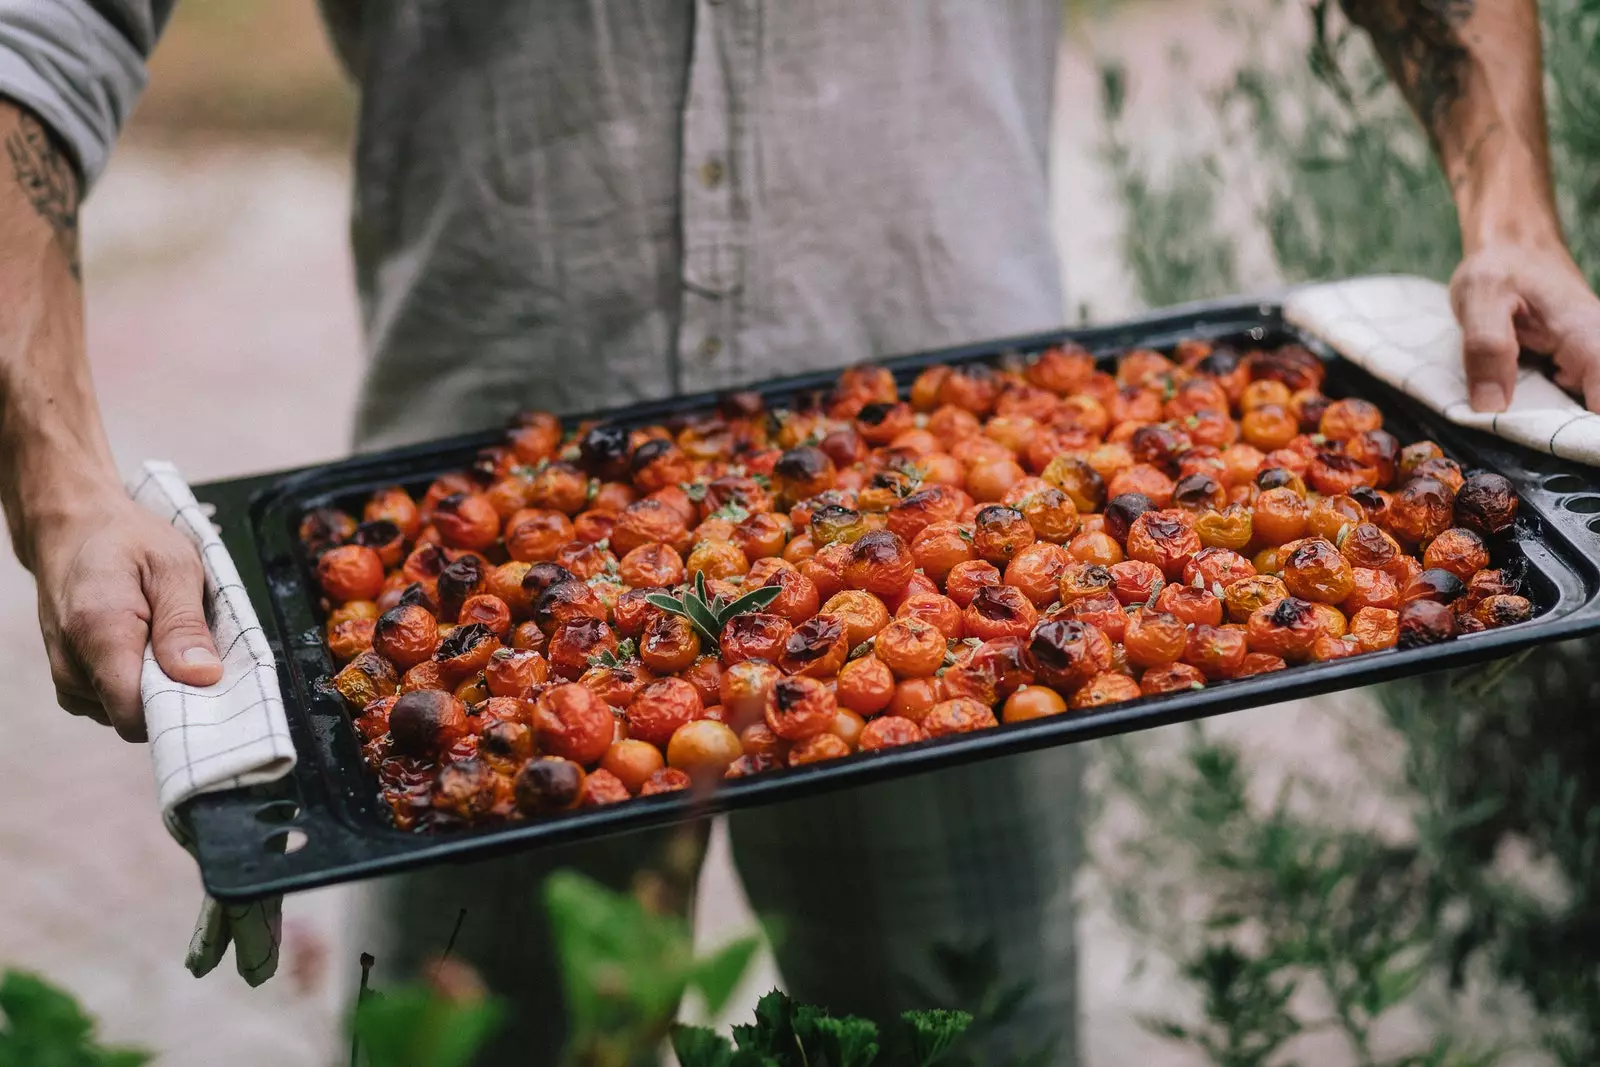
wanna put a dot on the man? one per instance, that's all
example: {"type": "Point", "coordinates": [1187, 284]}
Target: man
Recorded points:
{"type": "Point", "coordinates": [576, 204]}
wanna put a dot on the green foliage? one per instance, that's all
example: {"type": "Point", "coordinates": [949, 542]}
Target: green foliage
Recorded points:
{"type": "Point", "coordinates": [968, 978]}
{"type": "Point", "coordinates": [1331, 163]}
{"type": "Point", "coordinates": [625, 969]}
{"type": "Point", "coordinates": [786, 1034]}
{"type": "Point", "coordinates": [1171, 257]}
{"type": "Point", "coordinates": [416, 1027]}
{"type": "Point", "coordinates": [45, 1027]}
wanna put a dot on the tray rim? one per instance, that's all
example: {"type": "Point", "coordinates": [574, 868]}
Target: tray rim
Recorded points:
{"type": "Point", "coordinates": [238, 853]}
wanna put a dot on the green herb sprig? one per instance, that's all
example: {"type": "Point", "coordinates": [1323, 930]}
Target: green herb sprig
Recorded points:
{"type": "Point", "coordinates": [708, 615]}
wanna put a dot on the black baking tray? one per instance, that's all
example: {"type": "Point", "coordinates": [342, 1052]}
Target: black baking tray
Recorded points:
{"type": "Point", "coordinates": [325, 823]}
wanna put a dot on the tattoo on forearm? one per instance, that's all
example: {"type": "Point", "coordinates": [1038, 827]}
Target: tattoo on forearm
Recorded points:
{"type": "Point", "coordinates": [1421, 43]}
{"type": "Point", "coordinates": [48, 180]}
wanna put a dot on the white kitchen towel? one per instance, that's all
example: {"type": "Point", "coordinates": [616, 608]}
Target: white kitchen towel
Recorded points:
{"type": "Point", "coordinates": [1402, 330]}
{"type": "Point", "coordinates": [209, 738]}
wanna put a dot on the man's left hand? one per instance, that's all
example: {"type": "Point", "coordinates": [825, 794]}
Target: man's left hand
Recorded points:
{"type": "Point", "coordinates": [1510, 297]}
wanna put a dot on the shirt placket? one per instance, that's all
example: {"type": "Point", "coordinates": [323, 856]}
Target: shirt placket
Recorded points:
{"type": "Point", "coordinates": [713, 185]}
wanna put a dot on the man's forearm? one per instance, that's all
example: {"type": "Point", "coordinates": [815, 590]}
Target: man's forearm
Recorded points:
{"type": "Point", "coordinates": [1471, 70]}
{"type": "Point", "coordinates": [54, 458]}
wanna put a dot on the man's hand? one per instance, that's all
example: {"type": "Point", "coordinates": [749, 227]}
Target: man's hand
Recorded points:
{"type": "Point", "coordinates": [1510, 297]}
{"type": "Point", "coordinates": [112, 578]}
{"type": "Point", "coordinates": [1471, 70]}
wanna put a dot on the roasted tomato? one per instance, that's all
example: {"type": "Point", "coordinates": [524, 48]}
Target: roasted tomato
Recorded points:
{"type": "Point", "coordinates": [999, 533]}
{"type": "Point", "coordinates": [549, 784]}
{"type": "Point", "coordinates": [1217, 651]}
{"type": "Point", "coordinates": [958, 716]}
{"type": "Point", "coordinates": [1132, 582]}
{"type": "Point", "coordinates": [654, 565]}
{"type": "Point", "coordinates": [666, 780]}
{"type": "Point", "coordinates": [910, 648]}
{"type": "Point", "coordinates": [755, 635]}
{"type": "Point", "coordinates": [1371, 589]}
{"type": "Point", "coordinates": [1279, 515]}
{"type": "Point", "coordinates": [511, 671]}
{"type": "Point", "coordinates": [632, 762]}
{"type": "Point", "coordinates": [1172, 678]}
{"type": "Point", "coordinates": [1154, 639]}
{"type": "Point", "coordinates": [1104, 689]}
{"type": "Point", "coordinates": [646, 522]}
{"type": "Point", "coordinates": [1216, 569]}
{"type": "Point", "coordinates": [1434, 584]}
{"type": "Point", "coordinates": [1424, 622]}
{"type": "Point", "coordinates": [466, 650]}
{"type": "Point", "coordinates": [966, 579]}
{"type": "Point", "coordinates": [998, 611]}
{"type": "Point", "coordinates": [1286, 628]}
{"type": "Point", "coordinates": [1420, 511]}
{"type": "Point", "coordinates": [1121, 512]}
{"type": "Point", "coordinates": [1066, 653]}
{"type": "Point", "coordinates": [576, 644]}
{"type": "Point", "coordinates": [1165, 539]}
{"type": "Point", "coordinates": [880, 563]}
{"type": "Point", "coordinates": [601, 787]}
{"type": "Point", "coordinates": [565, 602]}
{"type": "Point", "coordinates": [669, 644]}
{"type": "Point", "coordinates": [862, 613]}
{"type": "Point", "coordinates": [1459, 551]}
{"type": "Point", "coordinates": [324, 528]}
{"type": "Point", "coordinates": [1051, 513]}
{"type": "Point", "coordinates": [1486, 503]}
{"type": "Point", "coordinates": [799, 707]}
{"type": "Point", "coordinates": [1315, 570]}
{"type": "Point", "coordinates": [1333, 517]}
{"type": "Point", "coordinates": [660, 707]}
{"type": "Point", "coordinates": [406, 636]}
{"type": "Point", "coordinates": [1037, 570]}
{"type": "Point", "coordinates": [350, 572]}
{"type": "Point", "coordinates": [1192, 604]}
{"type": "Point", "coordinates": [1503, 610]}
{"type": "Point", "coordinates": [890, 731]}
{"type": "Point", "coordinates": [817, 647]}
{"type": "Point", "coordinates": [703, 749]}
{"type": "Point", "coordinates": [1032, 702]}
{"type": "Point", "coordinates": [488, 611]}
{"type": "Point", "coordinates": [426, 722]}
{"type": "Point", "coordinates": [1375, 629]}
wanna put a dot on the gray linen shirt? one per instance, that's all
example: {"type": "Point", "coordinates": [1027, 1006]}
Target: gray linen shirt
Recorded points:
{"type": "Point", "coordinates": [576, 203]}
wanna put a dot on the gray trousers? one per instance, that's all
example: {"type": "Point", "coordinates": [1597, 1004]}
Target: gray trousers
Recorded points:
{"type": "Point", "coordinates": [864, 885]}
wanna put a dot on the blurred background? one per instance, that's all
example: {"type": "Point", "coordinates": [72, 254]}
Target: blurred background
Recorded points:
{"type": "Point", "coordinates": [1200, 150]}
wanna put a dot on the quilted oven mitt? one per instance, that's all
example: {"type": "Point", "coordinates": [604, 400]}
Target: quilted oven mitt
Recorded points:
{"type": "Point", "coordinates": [205, 739]}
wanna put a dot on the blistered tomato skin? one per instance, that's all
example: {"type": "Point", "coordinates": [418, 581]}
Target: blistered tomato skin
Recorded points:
{"type": "Point", "coordinates": [1164, 539]}
{"type": "Point", "coordinates": [1486, 503]}
{"type": "Point", "coordinates": [658, 709]}
{"type": "Point", "coordinates": [799, 707]}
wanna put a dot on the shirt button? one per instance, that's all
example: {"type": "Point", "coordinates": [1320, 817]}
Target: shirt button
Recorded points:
{"type": "Point", "coordinates": [711, 173]}
{"type": "Point", "coordinates": [710, 347]}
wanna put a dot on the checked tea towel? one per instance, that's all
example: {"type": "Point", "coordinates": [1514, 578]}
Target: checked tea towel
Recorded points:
{"type": "Point", "coordinates": [1401, 329]}
{"type": "Point", "coordinates": [209, 738]}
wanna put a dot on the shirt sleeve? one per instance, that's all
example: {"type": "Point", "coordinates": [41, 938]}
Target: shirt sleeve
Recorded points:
{"type": "Point", "coordinates": [80, 66]}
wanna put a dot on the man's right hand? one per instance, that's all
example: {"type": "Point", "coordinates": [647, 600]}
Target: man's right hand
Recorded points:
{"type": "Point", "coordinates": [111, 578]}
{"type": "Point", "coordinates": [111, 575]}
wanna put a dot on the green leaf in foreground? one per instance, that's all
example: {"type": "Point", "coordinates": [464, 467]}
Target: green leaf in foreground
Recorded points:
{"type": "Point", "coordinates": [44, 1027]}
{"type": "Point", "coordinates": [417, 1028]}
